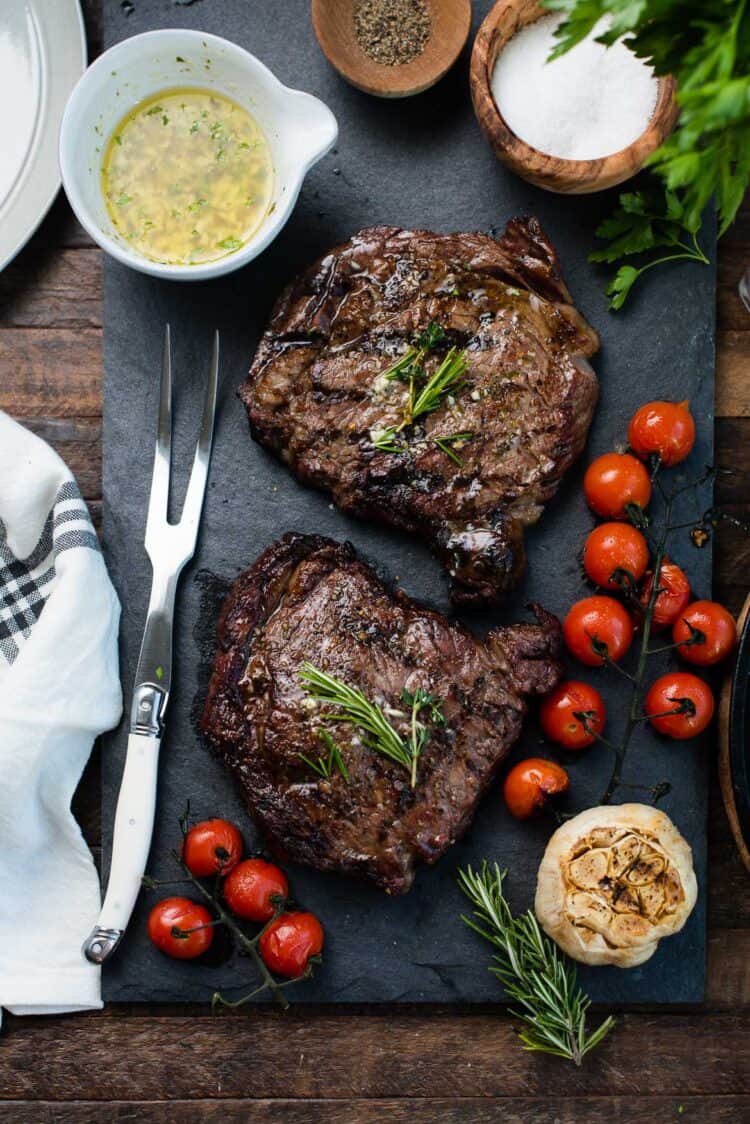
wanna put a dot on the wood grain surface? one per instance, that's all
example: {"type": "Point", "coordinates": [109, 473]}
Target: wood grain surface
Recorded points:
{"type": "Point", "coordinates": [158, 1063]}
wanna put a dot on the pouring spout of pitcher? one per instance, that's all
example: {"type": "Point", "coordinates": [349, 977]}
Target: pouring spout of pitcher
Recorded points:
{"type": "Point", "coordinates": [316, 130]}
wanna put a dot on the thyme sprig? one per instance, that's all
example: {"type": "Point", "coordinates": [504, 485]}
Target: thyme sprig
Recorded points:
{"type": "Point", "coordinates": [535, 974]}
{"type": "Point", "coordinates": [324, 766]}
{"type": "Point", "coordinates": [354, 707]}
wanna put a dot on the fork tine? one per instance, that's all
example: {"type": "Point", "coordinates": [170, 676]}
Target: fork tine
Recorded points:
{"type": "Point", "coordinates": [191, 511]}
{"type": "Point", "coordinates": [159, 498]}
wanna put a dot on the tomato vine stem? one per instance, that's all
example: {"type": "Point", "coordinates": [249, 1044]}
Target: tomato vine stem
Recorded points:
{"type": "Point", "coordinates": [246, 944]}
{"type": "Point", "coordinates": [635, 711]}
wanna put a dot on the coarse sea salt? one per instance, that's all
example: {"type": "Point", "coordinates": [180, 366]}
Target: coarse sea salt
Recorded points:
{"type": "Point", "coordinates": [589, 103]}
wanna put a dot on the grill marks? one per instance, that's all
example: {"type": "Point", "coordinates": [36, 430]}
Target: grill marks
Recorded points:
{"type": "Point", "coordinates": [308, 598]}
{"type": "Point", "coordinates": [312, 393]}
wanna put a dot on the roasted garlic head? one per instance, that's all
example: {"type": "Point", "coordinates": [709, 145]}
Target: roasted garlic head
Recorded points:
{"type": "Point", "coordinates": [613, 881]}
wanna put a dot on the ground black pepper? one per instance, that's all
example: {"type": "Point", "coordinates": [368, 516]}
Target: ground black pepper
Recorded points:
{"type": "Point", "coordinates": [392, 31]}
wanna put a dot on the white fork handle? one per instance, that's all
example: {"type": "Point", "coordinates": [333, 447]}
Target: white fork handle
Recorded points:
{"type": "Point", "coordinates": [134, 825]}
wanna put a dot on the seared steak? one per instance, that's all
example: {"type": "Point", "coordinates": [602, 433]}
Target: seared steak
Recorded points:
{"type": "Point", "coordinates": [308, 598]}
{"type": "Point", "coordinates": [313, 393]}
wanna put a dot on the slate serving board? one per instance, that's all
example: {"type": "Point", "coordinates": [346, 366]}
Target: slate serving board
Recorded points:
{"type": "Point", "coordinates": [421, 162]}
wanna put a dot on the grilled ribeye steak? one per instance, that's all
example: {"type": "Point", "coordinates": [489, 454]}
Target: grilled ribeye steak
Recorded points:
{"type": "Point", "coordinates": [308, 598]}
{"type": "Point", "coordinates": [314, 396]}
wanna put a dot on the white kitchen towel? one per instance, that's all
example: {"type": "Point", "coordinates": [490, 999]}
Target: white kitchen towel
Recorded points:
{"type": "Point", "coordinates": [59, 688]}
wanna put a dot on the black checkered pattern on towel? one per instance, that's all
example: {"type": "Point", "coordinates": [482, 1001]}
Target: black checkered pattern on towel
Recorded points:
{"type": "Point", "coordinates": [26, 583]}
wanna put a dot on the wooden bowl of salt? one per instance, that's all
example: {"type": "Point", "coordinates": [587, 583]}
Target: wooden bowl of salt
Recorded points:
{"type": "Point", "coordinates": [557, 159]}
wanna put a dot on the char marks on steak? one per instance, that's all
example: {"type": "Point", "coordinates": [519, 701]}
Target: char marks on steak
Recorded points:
{"type": "Point", "coordinates": [309, 598]}
{"type": "Point", "coordinates": [313, 396]}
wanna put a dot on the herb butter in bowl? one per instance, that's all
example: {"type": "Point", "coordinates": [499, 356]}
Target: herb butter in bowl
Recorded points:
{"type": "Point", "coordinates": [183, 155]}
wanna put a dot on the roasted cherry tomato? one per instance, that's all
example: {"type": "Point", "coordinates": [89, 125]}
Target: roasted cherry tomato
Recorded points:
{"type": "Point", "coordinates": [719, 633]}
{"type": "Point", "coordinates": [252, 884]}
{"type": "Point", "coordinates": [594, 621]}
{"type": "Point", "coordinates": [664, 428]}
{"type": "Point", "coordinates": [557, 714]}
{"type": "Point", "coordinates": [613, 547]}
{"type": "Point", "coordinates": [288, 943]}
{"type": "Point", "coordinates": [212, 846]}
{"type": "Point", "coordinates": [175, 925]}
{"type": "Point", "coordinates": [679, 705]}
{"type": "Point", "coordinates": [673, 595]}
{"type": "Point", "coordinates": [530, 783]}
{"type": "Point", "coordinates": [614, 480]}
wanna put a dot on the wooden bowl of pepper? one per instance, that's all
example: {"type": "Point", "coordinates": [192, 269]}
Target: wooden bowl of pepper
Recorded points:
{"type": "Point", "coordinates": [391, 48]}
{"type": "Point", "coordinates": [572, 177]}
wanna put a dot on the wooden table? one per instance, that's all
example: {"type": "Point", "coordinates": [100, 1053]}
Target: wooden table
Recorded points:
{"type": "Point", "coordinates": [364, 1065]}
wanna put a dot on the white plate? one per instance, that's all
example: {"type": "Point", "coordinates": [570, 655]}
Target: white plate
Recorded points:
{"type": "Point", "coordinates": [42, 56]}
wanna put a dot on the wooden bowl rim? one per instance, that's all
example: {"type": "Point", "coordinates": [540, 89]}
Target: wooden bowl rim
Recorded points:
{"type": "Point", "coordinates": [544, 164]}
{"type": "Point", "coordinates": [398, 81]}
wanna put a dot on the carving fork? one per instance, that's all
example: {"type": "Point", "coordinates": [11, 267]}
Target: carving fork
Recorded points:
{"type": "Point", "coordinates": [169, 546]}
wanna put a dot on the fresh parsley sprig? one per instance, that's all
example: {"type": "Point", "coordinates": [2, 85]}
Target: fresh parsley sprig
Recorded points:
{"type": "Point", "coordinates": [535, 974]}
{"type": "Point", "coordinates": [354, 707]}
{"type": "Point", "coordinates": [642, 222]}
{"type": "Point", "coordinates": [707, 49]}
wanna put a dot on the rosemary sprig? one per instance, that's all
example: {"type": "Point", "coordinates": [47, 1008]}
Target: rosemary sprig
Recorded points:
{"type": "Point", "coordinates": [535, 974]}
{"type": "Point", "coordinates": [381, 736]}
{"type": "Point", "coordinates": [426, 392]}
{"type": "Point", "coordinates": [324, 766]}
{"type": "Point", "coordinates": [443, 380]}
{"type": "Point", "coordinates": [385, 439]}
{"type": "Point", "coordinates": [409, 365]}
{"type": "Point", "coordinates": [444, 445]}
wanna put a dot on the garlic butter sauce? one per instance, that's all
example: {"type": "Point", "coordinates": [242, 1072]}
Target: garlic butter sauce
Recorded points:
{"type": "Point", "coordinates": [187, 177]}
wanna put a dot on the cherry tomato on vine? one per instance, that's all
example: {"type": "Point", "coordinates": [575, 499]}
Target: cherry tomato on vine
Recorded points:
{"type": "Point", "coordinates": [679, 705]}
{"type": "Point", "coordinates": [288, 943]}
{"type": "Point", "coordinates": [718, 629]}
{"type": "Point", "coordinates": [611, 547]}
{"type": "Point", "coordinates": [212, 846]}
{"type": "Point", "coordinates": [529, 785]}
{"type": "Point", "coordinates": [170, 923]}
{"type": "Point", "coordinates": [595, 621]}
{"type": "Point", "coordinates": [252, 884]}
{"type": "Point", "coordinates": [673, 597]}
{"type": "Point", "coordinates": [613, 481]}
{"type": "Point", "coordinates": [664, 428]}
{"type": "Point", "coordinates": [557, 714]}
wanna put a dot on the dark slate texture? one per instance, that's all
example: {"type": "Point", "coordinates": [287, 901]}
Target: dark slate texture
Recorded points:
{"type": "Point", "coordinates": [421, 162]}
